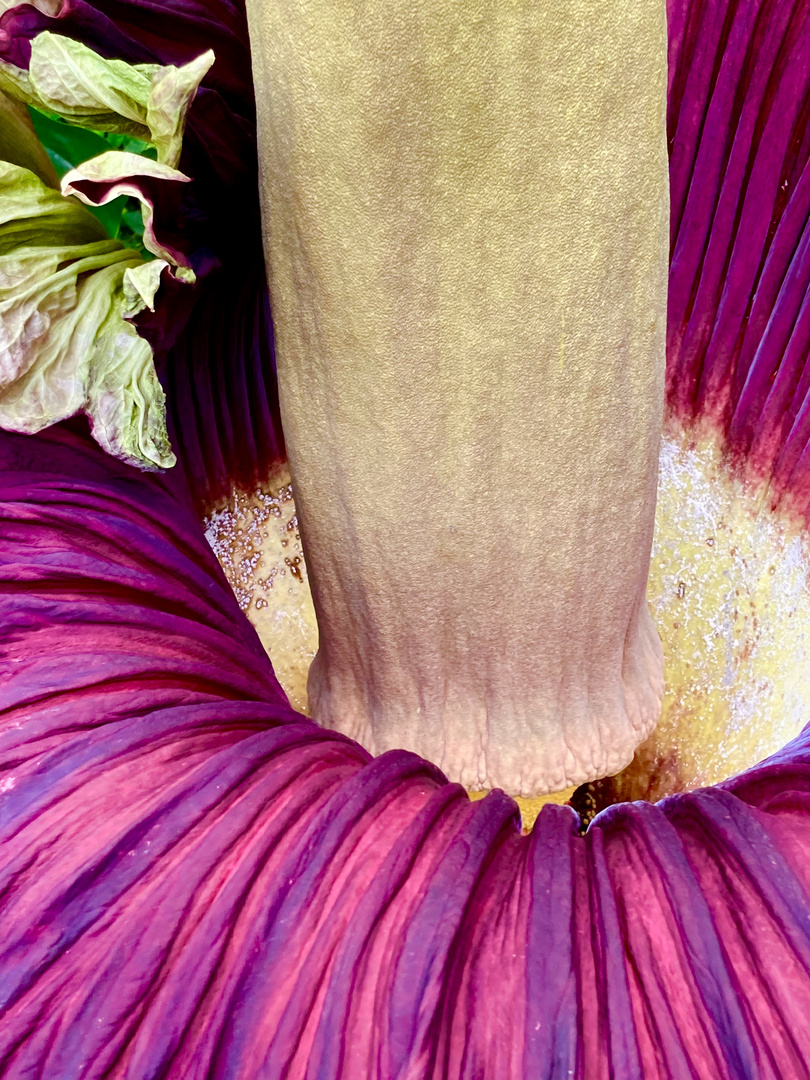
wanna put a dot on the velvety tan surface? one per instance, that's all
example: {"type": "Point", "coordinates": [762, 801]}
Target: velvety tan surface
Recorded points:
{"type": "Point", "coordinates": [469, 297]}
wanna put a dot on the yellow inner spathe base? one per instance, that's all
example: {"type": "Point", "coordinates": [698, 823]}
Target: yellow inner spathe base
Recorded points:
{"type": "Point", "coordinates": [728, 591]}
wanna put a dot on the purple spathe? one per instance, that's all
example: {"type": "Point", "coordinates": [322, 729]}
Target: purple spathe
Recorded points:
{"type": "Point", "coordinates": [197, 882]}
{"type": "Point", "coordinates": [738, 322]}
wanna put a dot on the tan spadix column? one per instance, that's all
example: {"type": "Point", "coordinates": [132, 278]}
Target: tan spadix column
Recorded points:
{"type": "Point", "coordinates": [466, 227]}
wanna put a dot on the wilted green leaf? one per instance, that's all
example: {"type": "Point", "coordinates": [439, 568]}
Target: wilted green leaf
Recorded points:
{"type": "Point", "coordinates": [66, 293]}
{"type": "Point", "coordinates": [143, 101]}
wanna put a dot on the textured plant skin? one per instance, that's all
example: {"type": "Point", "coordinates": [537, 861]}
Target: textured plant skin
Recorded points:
{"type": "Point", "coordinates": [466, 236]}
{"type": "Point", "coordinates": [196, 882]}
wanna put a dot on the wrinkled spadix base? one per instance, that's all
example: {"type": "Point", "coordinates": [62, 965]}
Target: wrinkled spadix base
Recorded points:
{"type": "Point", "coordinates": [466, 220]}
{"type": "Point", "coordinates": [504, 724]}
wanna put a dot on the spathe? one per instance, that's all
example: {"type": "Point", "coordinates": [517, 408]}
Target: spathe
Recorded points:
{"type": "Point", "coordinates": [197, 880]}
{"type": "Point", "coordinates": [199, 883]}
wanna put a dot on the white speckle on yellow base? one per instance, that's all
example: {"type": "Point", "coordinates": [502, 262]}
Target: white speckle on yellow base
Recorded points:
{"type": "Point", "coordinates": [255, 537]}
{"type": "Point", "coordinates": [728, 592]}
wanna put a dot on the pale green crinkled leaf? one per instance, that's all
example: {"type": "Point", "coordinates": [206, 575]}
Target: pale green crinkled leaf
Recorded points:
{"type": "Point", "coordinates": [141, 284]}
{"type": "Point", "coordinates": [148, 101]}
{"type": "Point", "coordinates": [65, 343]}
{"type": "Point", "coordinates": [121, 171]}
{"type": "Point", "coordinates": [31, 212]}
